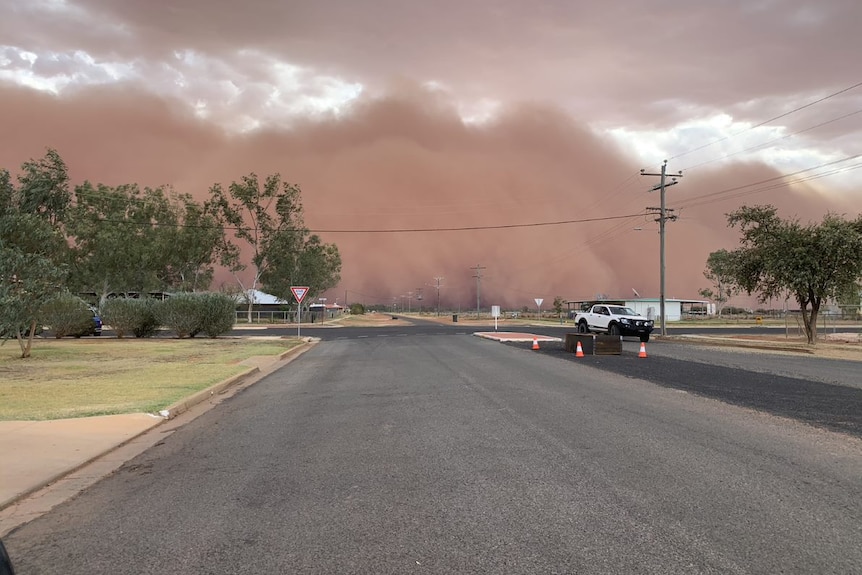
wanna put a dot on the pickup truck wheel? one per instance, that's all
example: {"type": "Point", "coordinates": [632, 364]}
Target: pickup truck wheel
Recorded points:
{"type": "Point", "coordinates": [614, 329]}
{"type": "Point", "coordinates": [645, 338]}
{"type": "Point", "coordinates": [582, 327]}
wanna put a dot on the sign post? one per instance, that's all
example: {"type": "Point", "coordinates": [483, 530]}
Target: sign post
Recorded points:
{"type": "Point", "coordinates": [495, 311]}
{"type": "Point", "coordinates": [539, 301]}
{"type": "Point", "coordinates": [299, 293]}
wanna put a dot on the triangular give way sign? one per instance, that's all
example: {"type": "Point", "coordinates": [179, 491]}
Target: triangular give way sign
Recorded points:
{"type": "Point", "coordinates": [299, 293]}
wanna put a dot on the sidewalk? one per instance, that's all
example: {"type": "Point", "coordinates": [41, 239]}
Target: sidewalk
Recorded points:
{"type": "Point", "coordinates": [38, 453]}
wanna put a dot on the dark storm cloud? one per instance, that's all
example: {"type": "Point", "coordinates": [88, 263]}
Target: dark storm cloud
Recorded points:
{"type": "Point", "coordinates": [614, 61]}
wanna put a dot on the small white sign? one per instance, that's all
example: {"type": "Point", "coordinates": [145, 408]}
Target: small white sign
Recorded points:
{"type": "Point", "coordinates": [539, 301]}
{"type": "Point", "coordinates": [495, 311]}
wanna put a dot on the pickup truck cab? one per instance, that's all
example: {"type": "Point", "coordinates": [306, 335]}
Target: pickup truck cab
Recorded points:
{"type": "Point", "coordinates": [614, 320]}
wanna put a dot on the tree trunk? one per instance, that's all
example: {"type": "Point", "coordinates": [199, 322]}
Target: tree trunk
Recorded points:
{"type": "Point", "coordinates": [26, 344]}
{"type": "Point", "coordinates": [809, 319]}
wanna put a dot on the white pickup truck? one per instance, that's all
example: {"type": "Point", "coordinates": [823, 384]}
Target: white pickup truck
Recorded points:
{"type": "Point", "coordinates": [614, 320]}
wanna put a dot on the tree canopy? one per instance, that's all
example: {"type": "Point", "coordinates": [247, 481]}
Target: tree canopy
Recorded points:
{"type": "Point", "coordinates": [719, 272]}
{"type": "Point", "coordinates": [809, 262]}
{"type": "Point", "coordinates": [268, 218]}
{"type": "Point", "coordinates": [32, 247]}
{"type": "Point", "coordinates": [130, 240]}
{"type": "Point", "coordinates": [121, 239]}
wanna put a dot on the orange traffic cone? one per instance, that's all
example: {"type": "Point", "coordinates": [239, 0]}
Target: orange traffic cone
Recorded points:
{"type": "Point", "coordinates": [579, 351]}
{"type": "Point", "coordinates": [642, 352]}
{"type": "Point", "coordinates": [535, 343]}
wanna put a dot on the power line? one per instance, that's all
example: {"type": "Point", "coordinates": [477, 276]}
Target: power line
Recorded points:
{"type": "Point", "coordinates": [778, 185]}
{"type": "Point", "coordinates": [689, 202]}
{"type": "Point", "coordinates": [764, 144]}
{"type": "Point", "coordinates": [383, 231]}
{"type": "Point", "coordinates": [764, 122]}
{"type": "Point", "coordinates": [694, 201]}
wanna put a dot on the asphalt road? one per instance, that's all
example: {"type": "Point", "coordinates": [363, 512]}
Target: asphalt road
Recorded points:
{"type": "Point", "coordinates": [419, 326]}
{"type": "Point", "coordinates": [452, 454]}
{"type": "Point", "coordinates": [823, 392]}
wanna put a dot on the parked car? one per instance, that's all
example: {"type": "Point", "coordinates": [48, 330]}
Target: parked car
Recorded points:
{"type": "Point", "coordinates": [614, 320]}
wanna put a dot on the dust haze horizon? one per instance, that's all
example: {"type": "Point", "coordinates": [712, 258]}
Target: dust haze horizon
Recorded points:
{"type": "Point", "coordinates": [429, 139]}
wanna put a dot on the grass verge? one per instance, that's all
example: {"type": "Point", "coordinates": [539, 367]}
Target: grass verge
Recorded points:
{"type": "Point", "coordinates": [89, 377]}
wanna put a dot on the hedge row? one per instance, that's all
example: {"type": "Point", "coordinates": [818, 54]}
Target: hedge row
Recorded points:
{"type": "Point", "coordinates": [186, 314]}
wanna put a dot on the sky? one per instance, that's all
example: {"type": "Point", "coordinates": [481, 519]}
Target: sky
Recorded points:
{"type": "Point", "coordinates": [505, 135]}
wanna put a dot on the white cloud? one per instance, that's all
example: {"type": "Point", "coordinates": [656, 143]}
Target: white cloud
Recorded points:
{"type": "Point", "coordinates": [55, 71]}
{"type": "Point", "coordinates": [481, 111]}
{"type": "Point", "coordinates": [718, 140]}
{"type": "Point", "coordinates": [242, 93]}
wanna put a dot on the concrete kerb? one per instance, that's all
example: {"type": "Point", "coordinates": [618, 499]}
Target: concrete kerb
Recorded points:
{"type": "Point", "coordinates": [172, 411]}
{"type": "Point", "coordinates": [185, 404]}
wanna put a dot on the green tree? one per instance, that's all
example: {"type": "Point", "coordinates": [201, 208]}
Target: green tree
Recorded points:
{"type": "Point", "coordinates": [558, 306]}
{"type": "Point", "coordinates": [195, 239]}
{"type": "Point", "coordinates": [43, 188]}
{"type": "Point", "coordinates": [27, 281]}
{"type": "Point", "coordinates": [719, 271]}
{"type": "Point", "coordinates": [32, 246]}
{"type": "Point", "coordinates": [810, 262]}
{"type": "Point", "coordinates": [269, 219]}
{"type": "Point", "coordinates": [131, 240]}
{"type": "Point", "coordinates": [315, 264]}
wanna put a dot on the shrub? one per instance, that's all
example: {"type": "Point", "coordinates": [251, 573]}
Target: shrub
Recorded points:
{"type": "Point", "coordinates": [135, 316]}
{"type": "Point", "coordinates": [219, 313]}
{"type": "Point", "coordinates": [357, 309]}
{"type": "Point", "coordinates": [67, 314]}
{"type": "Point", "coordinates": [188, 314]}
{"type": "Point", "coordinates": [182, 314]}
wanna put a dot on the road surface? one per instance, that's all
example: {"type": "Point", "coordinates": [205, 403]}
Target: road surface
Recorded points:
{"type": "Point", "coordinates": [453, 454]}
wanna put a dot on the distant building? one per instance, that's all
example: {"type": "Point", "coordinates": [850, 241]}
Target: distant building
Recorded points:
{"type": "Point", "coordinates": [260, 299]}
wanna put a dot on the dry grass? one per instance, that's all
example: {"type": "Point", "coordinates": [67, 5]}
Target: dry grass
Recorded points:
{"type": "Point", "coordinates": [98, 377]}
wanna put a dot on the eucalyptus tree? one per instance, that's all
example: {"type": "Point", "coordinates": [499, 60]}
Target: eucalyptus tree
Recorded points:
{"type": "Point", "coordinates": [32, 245]}
{"type": "Point", "coordinates": [128, 239]}
{"type": "Point", "coordinates": [266, 220]}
